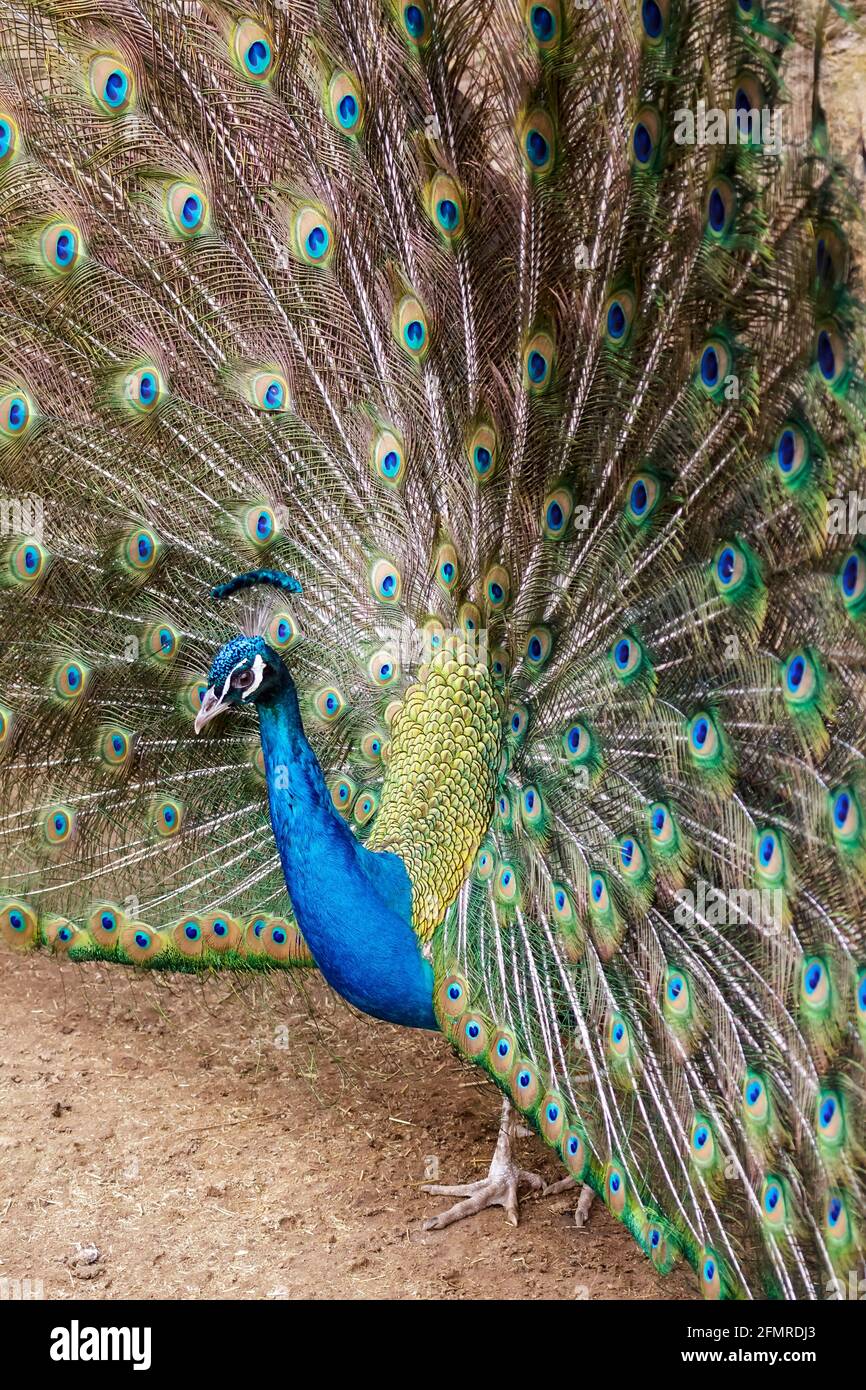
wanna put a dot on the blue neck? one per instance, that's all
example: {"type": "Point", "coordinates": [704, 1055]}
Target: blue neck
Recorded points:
{"type": "Point", "coordinates": [353, 906]}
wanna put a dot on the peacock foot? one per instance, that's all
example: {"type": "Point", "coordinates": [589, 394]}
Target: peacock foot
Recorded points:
{"type": "Point", "coordinates": [584, 1201]}
{"type": "Point", "coordinates": [500, 1188]}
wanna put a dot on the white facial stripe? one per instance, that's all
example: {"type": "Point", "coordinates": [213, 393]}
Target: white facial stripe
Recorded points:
{"type": "Point", "coordinates": [258, 671]}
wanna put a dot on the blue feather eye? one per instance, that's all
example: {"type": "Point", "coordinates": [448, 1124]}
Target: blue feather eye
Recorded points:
{"type": "Point", "coordinates": [538, 356]}
{"type": "Point", "coordinates": [643, 494]}
{"type": "Point", "coordinates": [537, 141]}
{"type": "Point", "coordinates": [111, 84]}
{"type": "Point", "coordinates": [714, 368]}
{"type": "Point", "coordinates": [445, 207]}
{"type": "Point", "coordinates": [830, 1120]}
{"type": "Point", "coordinates": [16, 414]}
{"type": "Point", "coordinates": [792, 455]}
{"type": "Point", "coordinates": [60, 247]}
{"type": "Point", "coordinates": [831, 356]}
{"type": "Point", "coordinates": [384, 668]}
{"type": "Point", "coordinates": [852, 582]}
{"type": "Point", "coordinates": [539, 644]}
{"type": "Point", "coordinates": [313, 236]}
{"type": "Point", "coordinates": [447, 567]}
{"type": "Point", "coordinates": [329, 703]}
{"type": "Point", "coordinates": [252, 51]}
{"type": "Point", "coordinates": [645, 139]}
{"type": "Point", "coordinates": [654, 16]}
{"type": "Point", "coordinates": [186, 209]}
{"type": "Point", "coordinates": [416, 22]}
{"type": "Point", "coordinates": [142, 389]}
{"type": "Point", "coordinates": [617, 317]}
{"type": "Point", "coordinates": [720, 208]}
{"type": "Point", "coordinates": [845, 816]}
{"type": "Point", "coordinates": [556, 513]}
{"type": "Point", "coordinates": [627, 658]}
{"type": "Point", "coordinates": [8, 139]}
{"type": "Point", "coordinates": [501, 1054]}
{"type": "Point", "coordinates": [386, 582]}
{"type": "Point", "coordinates": [481, 449]}
{"type": "Point", "coordinates": [410, 327]}
{"type": "Point", "coordinates": [389, 458]}
{"type": "Point", "coordinates": [344, 104]}
{"type": "Point", "coordinates": [544, 21]}
{"type": "Point", "coordinates": [70, 680]}
{"type": "Point", "coordinates": [497, 586]}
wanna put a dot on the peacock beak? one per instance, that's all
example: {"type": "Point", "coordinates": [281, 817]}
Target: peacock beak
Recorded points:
{"type": "Point", "coordinates": [212, 704]}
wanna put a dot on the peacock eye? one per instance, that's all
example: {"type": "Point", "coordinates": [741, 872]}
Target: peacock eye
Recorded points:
{"type": "Point", "coordinates": [242, 680]}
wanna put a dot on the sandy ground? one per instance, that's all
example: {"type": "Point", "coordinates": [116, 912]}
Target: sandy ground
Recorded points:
{"type": "Point", "coordinates": [210, 1141]}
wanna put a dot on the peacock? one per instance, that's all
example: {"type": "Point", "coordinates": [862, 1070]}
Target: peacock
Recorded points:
{"type": "Point", "coordinates": [430, 434]}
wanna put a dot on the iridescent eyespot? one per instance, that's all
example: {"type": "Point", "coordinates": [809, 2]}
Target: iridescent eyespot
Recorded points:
{"type": "Point", "coordinates": [532, 810]}
{"type": "Point", "coordinates": [384, 667]}
{"type": "Point", "coordinates": [313, 236]}
{"type": "Point", "coordinates": [469, 618]}
{"type": "Point", "coordinates": [749, 105]}
{"type": "Point", "coordinates": [446, 567]}
{"type": "Point", "coordinates": [677, 995]}
{"type": "Point", "coordinates": [365, 807]}
{"type": "Point", "coordinates": [389, 458]}
{"type": "Point", "coordinates": [410, 327]}
{"type": "Point", "coordinates": [105, 923]}
{"type": "Point", "coordinates": [626, 657]}
{"type": "Point", "coordinates": [344, 104]}
{"type": "Point", "coordinates": [27, 562]}
{"type": "Point", "coordinates": [755, 1099]}
{"type": "Point", "coordinates": [472, 1035]}
{"type": "Point", "coordinates": [282, 632]}
{"type": "Point", "coordinates": [714, 367]}
{"type": "Point", "coordinates": [815, 985]}
{"type": "Point", "coordinates": [800, 678]}
{"type": "Point", "coordinates": [720, 208]}
{"type": "Point", "coordinates": [166, 817]}
{"type": "Point", "coordinates": [837, 1222]}
{"type": "Point", "coordinates": [186, 209]}
{"type": "Point", "coordinates": [329, 703]}
{"type": "Point", "coordinates": [252, 50]}
{"type": "Point", "coordinates": [662, 828]}
{"type": "Point", "coordinates": [852, 581]}
{"type": "Point", "coordinates": [500, 664]}
{"type": "Point", "coordinates": [773, 1204]}
{"type": "Point", "coordinates": [556, 512]}
{"type": "Point", "coordinates": [70, 680]}
{"type": "Point", "coordinates": [7, 722]}
{"type": "Point", "coordinates": [551, 1114]}
{"type": "Point", "coordinates": [433, 636]}
{"type": "Point", "coordinates": [577, 743]}
{"type": "Point", "coordinates": [617, 316]}
{"type": "Point", "coordinates": [845, 815]}
{"type": "Point", "coordinates": [445, 207]}
{"type": "Point", "coordinates": [385, 581]}
{"type": "Point", "coordinates": [792, 454]}
{"type": "Point", "coordinates": [497, 586]}
{"type": "Point", "coordinates": [161, 643]}
{"type": "Point", "coordinates": [703, 736]}
{"type": "Point", "coordinates": [562, 905]}
{"type": "Point", "coordinates": [115, 746]}
{"type": "Point", "coordinates": [702, 1143]}
{"type": "Point", "coordinates": [711, 1275]}
{"type": "Point", "coordinates": [643, 493]}
{"type": "Point", "coordinates": [60, 246]}
{"type": "Point", "coordinates": [112, 84]}
{"type": "Point", "coordinates": [654, 15]}
{"type": "Point", "coordinates": [615, 1190]}
{"type": "Point", "coordinates": [618, 1036]}
{"type": "Point", "coordinates": [599, 895]}
{"type": "Point", "coordinates": [260, 525]}
{"type": "Point", "coordinates": [831, 354]}
{"type": "Point", "coordinates": [574, 1153]}
{"type": "Point", "coordinates": [343, 792]}
{"type": "Point", "coordinates": [524, 1085]}
{"type": "Point", "coordinates": [268, 390]}
{"type": "Point", "coordinates": [485, 863]}
{"type": "Point", "coordinates": [537, 141]}
{"type": "Point", "coordinates": [504, 811]}
{"type": "Point", "coordinates": [507, 886]}
{"type": "Point", "coordinates": [645, 139]}
{"type": "Point", "coordinates": [729, 568]}
{"type": "Point", "coordinates": [481, 449]}
{"type": "Point", "coordinates": [538, 357]}
{"type": "Point", "coordinates": [16, 413]}
{"type": "Point", "coordinates": [501, 1052]}
{"type": "Point", "coordinates": [188, 936]}
{"type": "Point", "coordinates": [632, 859]}
{"type": "Point", "coordinates": [544, 22]}
{"type": "Point", "coordinates": [416, 22]}
{"type": "Point", "coordinates": [19, 924]}
{"type": "Point", "coordinates": [453, 996]}
{"type": "Point", "coordinates": [141, 550]}
{"type": "Point", "coordinates": [371, 747]}
{"type": "Point", "coordinates": [518, 723]}
{"type": "Point", "coordinates": [830, 1119]}
{"type": "Point", "coordinates": [142, 389]}
{"type": "Point", "coordinates": [8, 139]}
{"type": "Point", "coordinates": [58, 824]}
{"type": "Point", "coordinates": [539, 644]}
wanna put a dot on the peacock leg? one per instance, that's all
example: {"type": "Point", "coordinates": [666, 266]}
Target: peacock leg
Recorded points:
{"type": "Point", "coordinates": [499, 1189]}
{"type": "Point", "coordinates": [584, 1201]}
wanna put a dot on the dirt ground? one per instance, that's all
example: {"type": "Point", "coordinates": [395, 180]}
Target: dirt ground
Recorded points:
{"type": "Point", "coordinates": [211, 1141]}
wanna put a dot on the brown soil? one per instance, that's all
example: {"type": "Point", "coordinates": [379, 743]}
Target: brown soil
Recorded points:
{"type": "Point", "coordinates": [211, 1140]}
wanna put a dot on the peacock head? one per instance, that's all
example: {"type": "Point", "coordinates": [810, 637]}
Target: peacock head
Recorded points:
{"type": "Point", "coordinates": [245, 671]}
